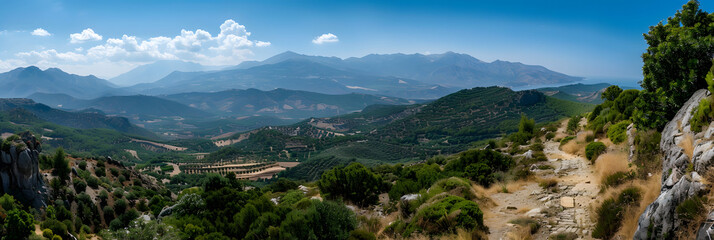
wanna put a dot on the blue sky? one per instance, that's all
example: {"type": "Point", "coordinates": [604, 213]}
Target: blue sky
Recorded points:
{"type": "Point", "coordinates": [582, 38]}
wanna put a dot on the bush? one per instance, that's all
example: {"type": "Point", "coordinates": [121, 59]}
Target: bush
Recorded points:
{"type": "Point", "coordinates": [566, 140]}
{"type": "Point", "coordinates": [449, 213]}
{"type": "Point", "coordinates": [618, 133]}
{"type": "Point", "coordinates": [359, 234]}
{"type": "Point", "coordinates": [82, 165]}
{"type": "Point", "coordinates": [120, 206]}
{"type": "Point", "coordinates": [691, 208]}
{"type": "Point", "coordinates": [18, 224]}
{"type": "Point", "coordinates": [79, 185]}
{"type": "Point", "coordinates": [93, 182]}
{"type": "Point", "coordinates": [611, 212]}
{"type": "Point", "coordinates": [593, 150]}
{"type": "Point", "coordinates": [354, 182]}
{"type": "Point", "coordinates": [574, 124]}
{"type": "Point", "coordinates": [615, 179]}
{"type": "Point", "coordinates": [702, 115]}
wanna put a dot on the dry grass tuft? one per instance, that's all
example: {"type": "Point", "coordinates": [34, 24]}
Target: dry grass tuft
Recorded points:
{"type": "Point", "coordinates": [650, 191]}
{"type": "Point", "coordinates": [687, 144]}
{"type": "Point", "coordinates": [573, 147]}
{"type": "Point", "coordinates": [611, 162]}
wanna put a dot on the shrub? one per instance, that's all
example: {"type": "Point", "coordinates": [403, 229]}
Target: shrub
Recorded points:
{"type": "Point", "coordinates": [690, 208]}
{"type": "Point", "coordinates": [79, 185]}
{"type": "Point", "coordinates": [359, 234]}
{"type": "Point", "coordinates": [574, 124]}
{"type": "Point", "coordinates": [449, 213]}
{"type": "Point", "coordinates": [618, 133]}
{"type": "Point", "coordinates": [566, 140]}
{"type": "Point", "coordinates": [549, 136]}
{"type": "Point", "coordinates": [82, 165]}
{"type": "Point", "coordinates": [702, 115]}
{"type": "Point", "coordinates": [354, 182]}
{"type": "Point", "coordinates": [47, 233]}
{"type": "Point", "coordinates": [611, 212]}
{"type": "Point", "coordinates": [594, 149]}
{"type": "Point", "coordinates": [120, 206]}
{"type": "Point", "coordinates": [93, 182]}
{"type": "Point", "coordinates": [615, 179]}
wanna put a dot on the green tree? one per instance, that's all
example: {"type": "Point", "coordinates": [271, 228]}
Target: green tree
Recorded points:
{"type": "Point", "coordinates": [611, 93]}
{"type": "Point", "coordinates": [675, 64]}
{"type": "Point", "coordinates": [61, 165]}
{"type": "Point", "coordinates": [354, 182]}
{"type": "Point", "coordinates": [19, 224]}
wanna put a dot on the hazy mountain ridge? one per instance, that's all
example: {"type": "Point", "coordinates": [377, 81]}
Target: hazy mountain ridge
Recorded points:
{"type": "Point", "coordinates": [448, 69]}
{"type": "Point", "coordinates": [152, 72]}
{"type": "Point", "coordinates": [22, 82]}
{"type": "Point", "coordinates": [72, 119]}
{"type": "Point", "coordinates": [296, 74]}
{"type": "Point", "coordinates": [139, 105]}
{"type": "Point", "coordinates": [280, 102]}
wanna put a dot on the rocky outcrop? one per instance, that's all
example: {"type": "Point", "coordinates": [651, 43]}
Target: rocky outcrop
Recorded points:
{"type": "Point", "coordinates": [19, 170]}
{"type": "Point", "coordinates": [679, 180]}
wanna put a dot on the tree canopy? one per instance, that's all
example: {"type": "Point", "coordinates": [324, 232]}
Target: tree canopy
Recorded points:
{"type": "Point", "coordinates": [676, 61]}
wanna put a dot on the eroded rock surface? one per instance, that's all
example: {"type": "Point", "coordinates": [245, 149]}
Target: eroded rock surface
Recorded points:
{"type": "Point", "coordinates": [679, 180]}
{"type": "Point", "coordinates": [20, 173]}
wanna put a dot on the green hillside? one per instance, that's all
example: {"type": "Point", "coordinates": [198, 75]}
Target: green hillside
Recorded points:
{"type": "Point", "coordinates": [394, 134]}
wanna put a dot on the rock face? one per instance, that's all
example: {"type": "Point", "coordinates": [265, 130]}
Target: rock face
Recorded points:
{"type": "Point", "coordinates": [20, 173]}
{"type": "Point", "coordinates": [678, 182]}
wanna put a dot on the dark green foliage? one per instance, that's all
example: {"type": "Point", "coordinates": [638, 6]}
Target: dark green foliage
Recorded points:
{"type": "Point", "coordinates": [566, 140]}
{"type": "Point", "coordinates": [593, 150]}
{"type": "Point", "coordinates": [615, 179]}
{"type": "Point", "coordinates": [438, 216]}
{"type": "Point", "coordinates": [82, 165]}
{"type": "Point", "coordinates": [79, 185]}
{"type": "Point", "coordinates": [354, 182]}
{"type": "Point", "coordinates": [18, 224]}
{"type": "Point", "coordinates": [611, 93]}
{"type": "Point", "coordinates": [647, 152]}
{"type": "Point", "coordinates": [702, 115]}
{"type": "Point", "coordinates": [612, 210]}
{"type": "Point", "coordinates": [56, 226]}
{"type": "Point", "coordinates": [61, 165]}
{"type": "Point", "coordinates": [677, 59]}
{"type": "Point", "coordinates": [282, 185]}
{"type": "Point", "coordinates": [618, 133]}
{"type": "Point", "coordinates": [403, 187]}
{"type": "Point", "coordinates": [480, 165]}
{"type": "Point", "coordinates": [120, 206]}
{"type": "Point", "coordinates": [573, 124]}
{"type": "Point", "coordinates": [359, 234]}
{"type": "Point", "coordinates": [691, 208]}
{"type": "Point", "coordinates": [624, 103]}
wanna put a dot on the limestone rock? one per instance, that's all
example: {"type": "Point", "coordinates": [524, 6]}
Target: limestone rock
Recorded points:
{"type": "Point", "coordinates": [678, 183]}
{"type": "Point", "coordinates": [567, 202]}
{"type": "Point", "coordinates": [20, 173]}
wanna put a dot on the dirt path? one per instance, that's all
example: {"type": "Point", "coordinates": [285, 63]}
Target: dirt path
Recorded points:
{"type": "Point", "coordinates": [176, 170]}
{"type": "Point", "coordinates": [565, 209]}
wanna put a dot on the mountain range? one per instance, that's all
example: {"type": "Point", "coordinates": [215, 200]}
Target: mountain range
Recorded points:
{"type": "Point", "coordinates": [448, 69]}
{"type": "Point", "coordinates": [153, 72]}
{"type": "Point", "coordinates": [22, 82]}
{"type": "Point", "coordinates": [412, 76]}
{"type": "Point", "coordinates": [80, 120]}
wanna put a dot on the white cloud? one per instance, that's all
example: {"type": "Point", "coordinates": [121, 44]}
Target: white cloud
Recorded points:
{"type": "Point", "coordinates": [86, 35]}
{"type": "Point", "coordinates": [41, 32]}
{"type": "Point", "coordinates": [230, 46]}
{"type": "Point", "coordinates": [325, 38]}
